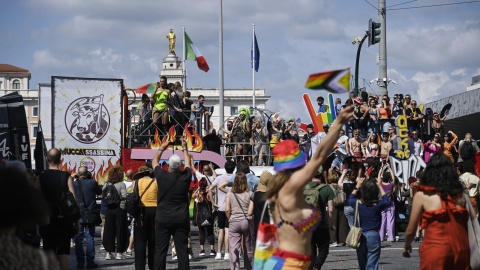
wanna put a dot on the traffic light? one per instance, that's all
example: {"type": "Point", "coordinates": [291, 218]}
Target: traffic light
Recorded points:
{"type": "Point", "coordinates": [373, 32]}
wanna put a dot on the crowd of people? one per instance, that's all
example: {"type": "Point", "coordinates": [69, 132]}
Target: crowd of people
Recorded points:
{"type": "Point", "coordinates": [353, 179]}
{"type": "Point", "coordinates": [169, 106]}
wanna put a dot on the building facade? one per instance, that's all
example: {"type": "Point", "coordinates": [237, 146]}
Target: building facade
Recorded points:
{"type": "Point", "coordinates": [17, 79]}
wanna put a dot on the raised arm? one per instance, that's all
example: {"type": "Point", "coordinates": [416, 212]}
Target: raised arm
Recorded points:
{"type": "Point", "coordinates": [301, 177]}
{"type": "Point", "coordinates": [186, 155]}
{"type": "Point", "coordinates": [158, 155]}
{"type": "Point", "coordinates": [340, 180]}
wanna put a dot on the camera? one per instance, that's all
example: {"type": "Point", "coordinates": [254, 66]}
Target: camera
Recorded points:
{"type": "Point", "coordinates": [176, 142]}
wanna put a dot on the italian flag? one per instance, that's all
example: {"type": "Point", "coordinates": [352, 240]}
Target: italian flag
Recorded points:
{"type": "Point", "coordinates": [192, 53]}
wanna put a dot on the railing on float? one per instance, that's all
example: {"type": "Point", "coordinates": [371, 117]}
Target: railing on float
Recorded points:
{"type": "Point", "coordinates": [141, 133]}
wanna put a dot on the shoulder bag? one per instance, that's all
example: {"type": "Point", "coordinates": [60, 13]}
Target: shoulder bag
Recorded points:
{"type": "Point", "coordinates": [353, 237]}
{"type": "Point", "coordinates": [238, 201]}
{"type": "Point", "coordinates": [88, 216]}
{"type": "Point", "coordinates": [133, 200]}
{"type": "Point", "coordinates": [267, 240]}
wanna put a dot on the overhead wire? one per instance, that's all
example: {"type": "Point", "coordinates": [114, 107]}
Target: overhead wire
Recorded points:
{"type": "Point", "coordinates": [371, 4]}
{"type": "Point", "coordinates": [402, 3]}
{"type": "Point", "coordinates": [437, 5]}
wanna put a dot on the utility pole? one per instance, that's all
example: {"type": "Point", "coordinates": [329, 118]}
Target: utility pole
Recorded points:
{"type": "Point", "coordinates": [382, 49]}
{"type": "Point", "coordinates": [220, 73]}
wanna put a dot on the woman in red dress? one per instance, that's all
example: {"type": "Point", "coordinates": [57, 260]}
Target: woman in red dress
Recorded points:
{"type": "Point", "coordinates": [439, 207]}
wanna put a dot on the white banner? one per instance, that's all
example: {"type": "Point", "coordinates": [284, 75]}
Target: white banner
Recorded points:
{"type": "Point", "coordinates": [87, 123]}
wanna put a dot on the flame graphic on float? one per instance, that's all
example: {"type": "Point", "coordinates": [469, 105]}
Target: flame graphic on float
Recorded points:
{"type": "Point", "coordinates": [64, 167]}
{"type": "Point", "coordinates": [196, 146]}
{"type": "Point", "coordinates": [101, 175]}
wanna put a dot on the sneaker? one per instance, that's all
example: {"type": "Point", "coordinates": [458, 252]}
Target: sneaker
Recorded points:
{"type": "Point", "coordinates": [174, 258]}
{"type": "Point", "coordinates": [129, 252]}
{"type": "Point", "coordinates": [80, 266]}
{"type": "Point", "coordinates": [102, 248]}
{"type": "Point", "coordinates": [219, 256]}
{"type": "Point", "coordinates": [190, 256]}
{"type": "Point", "coordinates": [109, 256]}
{"type": "Point", "coordinates": [202, 253]}
{"type": "Point", "coordinates": [213, 252]}
{"type": "Point", "coordinates": [120, 256]}
{"type": "Point", "coordinates": [227, 257]}
{"type": "Point", "coordinates": [334, 244]}
{"type": "Point", "coordinates": [92, 265]}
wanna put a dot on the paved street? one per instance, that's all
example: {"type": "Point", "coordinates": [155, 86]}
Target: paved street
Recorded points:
{"type": "Point", "coordinates": [339, 257]}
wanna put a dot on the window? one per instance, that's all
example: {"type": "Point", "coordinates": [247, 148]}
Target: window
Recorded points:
{"type": "Point", "coordinates": [34, 131]}
{"type": "Point", "coordinates": [233, 110]}
{"type": "Point", "coordinates": [16, 84]}
{"type": "Point", "coordinates": [35, 111]}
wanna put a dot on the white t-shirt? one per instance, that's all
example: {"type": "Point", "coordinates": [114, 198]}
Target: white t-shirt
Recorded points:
{"type": "Point", "coordinates": [199, 176]}
{"type": "Point", "coordinates": [128, 184]}
{"type": "Point", "coordinates": [221, 196]}
{"type": "Point", "coordinates": [468, 178]}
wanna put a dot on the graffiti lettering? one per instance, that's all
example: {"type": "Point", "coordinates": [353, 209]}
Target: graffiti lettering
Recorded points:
{"type": "Point", "coordinates": [402, 131]}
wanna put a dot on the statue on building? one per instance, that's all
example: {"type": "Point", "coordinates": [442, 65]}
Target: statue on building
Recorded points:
{"type": "Point", "coordinates": [171, 40]}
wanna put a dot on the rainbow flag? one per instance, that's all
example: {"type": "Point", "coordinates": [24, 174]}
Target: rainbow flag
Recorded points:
{"type": "Point", "coordinates": [335, 81]}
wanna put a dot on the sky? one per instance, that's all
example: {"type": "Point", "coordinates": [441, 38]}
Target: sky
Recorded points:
{"type": "Point", "coordinates": [432, 52]}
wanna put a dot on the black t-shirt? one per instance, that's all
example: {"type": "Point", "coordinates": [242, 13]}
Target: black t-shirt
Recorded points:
{"type": "Point", "coordinates": [188, 104]}
{"type": "Point", "coordinates": [213, 143]}
{"type": "Point", "coordinates": [410, 111]}
{"type": "Point", "coordinates": [258, 204]}
{"type": "Point", "coordinates": [51, 181]}
{"type": "Point", "coordinates": [348, 188]}
{"type": "Point", "coordinates": [172, 204]}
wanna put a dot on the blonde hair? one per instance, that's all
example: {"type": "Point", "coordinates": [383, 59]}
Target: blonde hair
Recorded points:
{"type": "Point", "coordinates": [277, 182]}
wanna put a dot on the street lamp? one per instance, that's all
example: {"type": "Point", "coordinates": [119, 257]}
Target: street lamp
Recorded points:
{"type": "Point", "coordinates": [361, 40]}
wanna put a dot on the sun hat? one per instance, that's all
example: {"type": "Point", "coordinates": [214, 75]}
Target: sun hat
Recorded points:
{"type": "Point", "coordinates": [143, 173]}
{"type": "Point", "coordinates": [287, 155]}
{"type": "Point", "coordinates": [263, 182]}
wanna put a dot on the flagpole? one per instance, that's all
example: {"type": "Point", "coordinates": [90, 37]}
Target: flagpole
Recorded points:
{"type": "Point", "coordinates": [220, 73]}
{"type": "Point", "coordinates": [184, 75]}
{"type": "Point", "coordinates": [253, 62]}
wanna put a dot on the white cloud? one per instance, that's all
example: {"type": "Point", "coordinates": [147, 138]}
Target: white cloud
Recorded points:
{"type": "Point", "coordinates": [431, 52]}
{"type": "Point", "coordinates": [44, 59]}
{"type": "Point", "coordinates": [429, 84]}
{"type": "Point", "coordinates": [459, 72]}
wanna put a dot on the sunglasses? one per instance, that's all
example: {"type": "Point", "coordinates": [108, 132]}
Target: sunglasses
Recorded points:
{"type": "Point", "coordinates": [414, 133]}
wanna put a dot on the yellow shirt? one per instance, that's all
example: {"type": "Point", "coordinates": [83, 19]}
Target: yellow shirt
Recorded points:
{"type": "Point", "coordinates": [161, 98]}
{"type": "Point", "coordinates": [149, 199]}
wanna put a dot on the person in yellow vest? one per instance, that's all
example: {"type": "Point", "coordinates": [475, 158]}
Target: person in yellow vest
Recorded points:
{"type": "Point", "coordinates": [144, 229]}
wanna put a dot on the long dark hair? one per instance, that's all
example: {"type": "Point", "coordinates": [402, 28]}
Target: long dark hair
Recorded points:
{"type": "Point", "coordinates": [369, 192]}
{"type": "Point", "coordinates": [240, 184]}
{"type": "Point", "coordinates": [441, 175]}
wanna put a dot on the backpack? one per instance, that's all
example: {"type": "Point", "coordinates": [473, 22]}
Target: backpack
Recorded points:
{"type": "Point", "coordinates": [66, 205]}
{"type": "Point", "coordinates": [204, 214]}
{"type": "Point", "coordinates": [312, 194]}
{"type": "Point", "coordinates": [340, 196]}
{"type": "Point", "coordinates": [467, 151]}
{"type": "Point", "coordinates": [110, 196]}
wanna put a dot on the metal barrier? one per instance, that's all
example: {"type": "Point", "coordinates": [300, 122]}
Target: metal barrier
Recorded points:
{"type": "Point", "coordinates": [142, 132]}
